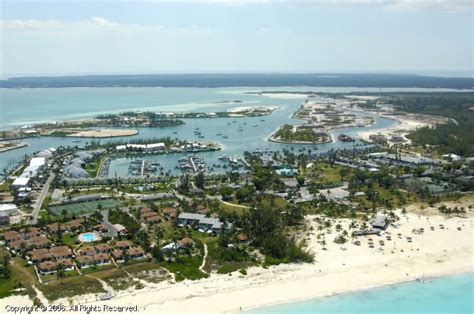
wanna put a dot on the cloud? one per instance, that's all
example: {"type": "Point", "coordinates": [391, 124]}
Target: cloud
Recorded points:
{"type": "Point", "coordinates": [404, 4]}
{"type": "Point", "coordinates": [29, 24]}
{"type": "Point", "coordinates": [100, 21]}
{"type": "Point", "coordinates": [97, 23]}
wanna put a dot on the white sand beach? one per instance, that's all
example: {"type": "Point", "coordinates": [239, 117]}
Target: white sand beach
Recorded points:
{"type": "Point", "coordinates": [445, 250]}
{"type": "Point", "coordinates": [406, 123]}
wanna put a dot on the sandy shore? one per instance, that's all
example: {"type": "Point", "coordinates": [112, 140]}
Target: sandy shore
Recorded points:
{"type": "Point", "coordinates": [337, 269]}
{"type": "Point", "coordinates": [407, 123]}
{"type": "Point", "coordinates": [100, 133]}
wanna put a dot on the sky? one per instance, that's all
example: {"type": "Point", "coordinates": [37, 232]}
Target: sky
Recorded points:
{"type": "Point", "coordinates": [51, 37]}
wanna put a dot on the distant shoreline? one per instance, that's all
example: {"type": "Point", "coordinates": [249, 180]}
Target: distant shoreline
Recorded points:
{"type": "Point", "coordinates": [242, 80]}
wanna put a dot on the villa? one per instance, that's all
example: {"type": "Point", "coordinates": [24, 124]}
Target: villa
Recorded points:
{"type": "Point", "coordinates": [66, 263]}
{"type": "Point", "coordinates": [118, 256]}
{"type": "Point", "coordinates": [103, 248]}
{"type": "Point", "coordinates": [47, 267]}
{"type": "Point", "coordinates": [61, 252]}
{"type": "Point", "coordinates": [123, 245]}
{"type": "Point", "coordinates": [88, 250]}
{"type": "Point", "coordinates": [38, 256]}
{"type": "Point", "coordinates": [85, 261]}
{"type": "Point", "coordinates": [201, 221]}
{"type": "Point", "coordinates": [136, 253]}
{"type": "Point", "coordinates": [101, 259]}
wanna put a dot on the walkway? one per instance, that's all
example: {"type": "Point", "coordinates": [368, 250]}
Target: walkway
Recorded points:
{"type": "Point", "coordinates": [40, 200]}
{"type": "Point", "coordinates": [201, 268]}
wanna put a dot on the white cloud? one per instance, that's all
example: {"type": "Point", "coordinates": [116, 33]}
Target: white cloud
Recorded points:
{"type": "Point", "coordinates": [406, 4]}
{"type": "Point", "coordinates": [29, 24]}
{"type": "Point", "coordinates": [103, 22]}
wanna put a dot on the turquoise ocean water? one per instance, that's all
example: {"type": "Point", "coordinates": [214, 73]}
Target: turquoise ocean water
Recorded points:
{"type": "Point", "coordinates": [450, 294]}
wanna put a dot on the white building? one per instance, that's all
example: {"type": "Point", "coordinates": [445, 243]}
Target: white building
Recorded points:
{"type": "Point", "coordinates": [9, 214]}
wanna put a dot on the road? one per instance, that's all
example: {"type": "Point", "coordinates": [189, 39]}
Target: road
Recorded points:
{"type": "Point", "coordinates": [40, 200]}
{"type": "Point", "coordinates": [110, 227]}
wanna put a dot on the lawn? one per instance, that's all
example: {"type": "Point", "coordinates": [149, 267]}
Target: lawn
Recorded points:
{"type": "Point", "coordinates": [187, 267]}
{"type": "Point", "coordinates": [115, 277]}
{"type": "Point", "coordinates": [70, 287]}
{"type": "Point", "coordinates": [84, 207]}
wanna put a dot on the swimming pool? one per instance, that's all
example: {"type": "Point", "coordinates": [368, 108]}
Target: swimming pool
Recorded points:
{"type": "Point", "coordinates": [89, 237]}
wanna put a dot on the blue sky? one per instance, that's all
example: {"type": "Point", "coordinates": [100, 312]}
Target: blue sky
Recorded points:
{"type": "Point", "coordinates": [189, 36]}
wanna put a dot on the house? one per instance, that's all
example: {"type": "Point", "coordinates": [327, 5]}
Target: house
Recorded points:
{"type": "Point", "coordinates": [61, 252]}
{"type": "Point", "coordinates": [10, 236]}
{"type": "Point", "coordinates": [153, 219]}
{"type": "Point", "coordinates": [203, 223]}
{"type": "Point", "coordinates": [39, 242]}
{"type": "Point", "coordinates": [100, 228]}
{"type": "Point", "coordinates": [88, 250]}
{"type": "Point", "coordinates": [118, 256]}
{"type": "Point", "coordinates": [67, 264]}
{"type": "Point", "coordinates": [123, 245]}
{"type": "Point", "coordinates": [212, 224]}
{"type": "Point", "coordinates": [101, 259]}
{"type": "Point", "coordinates": [170, 212]}
{"type": "Point", "coordinates": [242, 237]}
{"type": "Point", "coordinates": [103, 248]}
{"type": "Point", "coordinates": [18, 245]}
{"type": "Point", "coordinates": [40, 255]}
{"type": "Point", "coordinates": [85, 261]}
{"type": "Point", "coordinates": [136, 252]}
{"type": "Point", "coordinates": [9, 214]}
{"type": "Point", "coordinates": [47, 267]}
{"type": "Point", "coordinates": [121, 229]}
{"type": "Point", "coordinates": [145, 210]}
{"type": "Point", "coordinates": [30, 232]}
{"type": "Point", "coordinates": [380, 222]}
{"type": "Point", "coordinates": [186, 242]}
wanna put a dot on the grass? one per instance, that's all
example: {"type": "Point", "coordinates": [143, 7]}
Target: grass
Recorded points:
{"type": "Point", "coordinates": [186, 267]}
{"type": "Point", "coordinates": [21, 276]}
{"type": "Point", "coordinates": [92, 167]}
{"type": "Point", "coordinates": [232, 209]}
{"type": "Point", "coordinates": [52, 277]}
{"type": "Point", "coordinates": [214, 261]}
{"type": "Point", "coordinates": [84, 207]}
{"type": "Point", "coordinates": [70, 287]}
{"type": "Point", "coordinates": [69, 239]}
{"type": "Point", "coordinates": [115, 277]}
{"type": "Point", "coordinates": [148, 271]}
{"type": "Point", "coordinates": [96, 268]}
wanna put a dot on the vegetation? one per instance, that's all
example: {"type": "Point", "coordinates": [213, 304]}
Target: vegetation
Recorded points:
{"type": "Point", "coordinates": [288, 133]}
{"type": "Point", "coordinates": [457, 135]}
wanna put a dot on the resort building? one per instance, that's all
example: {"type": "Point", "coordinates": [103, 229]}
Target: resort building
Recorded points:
{"type": "Point", "coordinates": [9, 215]}
{"type": "Point", "coordinates": [201, 221]}
{"type": "Point", "coordinates": [380, 222]}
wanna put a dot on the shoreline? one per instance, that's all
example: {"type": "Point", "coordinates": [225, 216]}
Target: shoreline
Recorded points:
{"type": "Point", "coordinates": [337, 270]}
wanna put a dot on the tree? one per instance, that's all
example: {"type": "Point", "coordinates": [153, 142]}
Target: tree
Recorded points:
{"type": "Point", "coordinates": [226, 192]}
{"type": "Point", "coordinates": [60, 273]}
{"type": "Point", "coordinates": [200, 180]}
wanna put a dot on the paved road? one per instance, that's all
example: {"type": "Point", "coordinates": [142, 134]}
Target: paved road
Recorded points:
{"type": "Point", "coordinates": [110, 227]}
{"type": "Point", "coordinates": [40, 200]}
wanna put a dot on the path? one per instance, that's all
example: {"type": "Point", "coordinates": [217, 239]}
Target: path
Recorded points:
{"type": "Point", "coordinates": [40, 200]}
{"type": "Point", "coordinates": [104, 284]}
{"type": "Point", "coordinates": [201, 268]}
{"type": "Point", "coordinates": [112, 230]}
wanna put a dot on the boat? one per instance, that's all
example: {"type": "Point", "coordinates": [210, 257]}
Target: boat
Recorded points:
{"type": "Point", "coordinates": [255, 125]}
{"type": "Point", "coordinates": [77, 141]}
{"type": "Point", "coordinates": [218, 134]}
{"type": "Point", "coordinates": [225, 136]}
{"type": "Point", "coordinates": [345, 138]}
{"type": "Point", "coordinates": [175, 132]}
{"type": "Point", "coordinates": [262, 120]}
